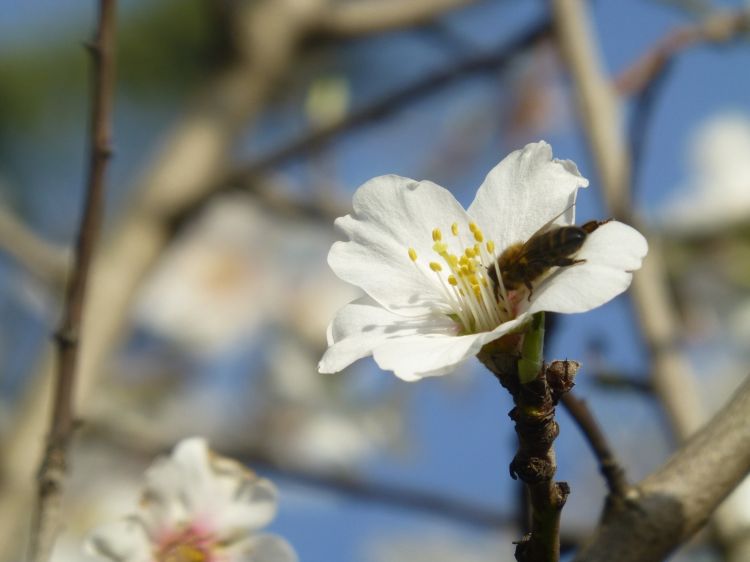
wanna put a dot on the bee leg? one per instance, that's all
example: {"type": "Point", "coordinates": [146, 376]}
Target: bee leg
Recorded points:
{"type": "Point", "coordinates": [530, 287]}
{"type": "Point", "coordinates": [565, 262]}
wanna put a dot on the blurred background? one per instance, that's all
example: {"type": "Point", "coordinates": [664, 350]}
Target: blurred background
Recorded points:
{"type": "Point", "coordinates": [241, 130]}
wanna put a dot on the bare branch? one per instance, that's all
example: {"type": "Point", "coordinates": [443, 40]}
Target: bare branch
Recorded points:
{"type": "Point", "coordinates": [673, 381]}
{"type": "Point", "coordinates": [193, 154]}
{"type": "Point", "coordinates": [671, 504]}
{"type": "Point", "coordinates": [386, 106]}
{"type": "Point", "coordinates": [611, 469]}
{"type": "Point", "coordinates": [39, 257]}
{"type": "Point", "coordinates": [54, 464]}
{"type": "Point", "coordinates": [362, 17]}
{"type": "Point", "coordinates": [716, 28]}
{"type": "Point", "coordinates": [672, 378]}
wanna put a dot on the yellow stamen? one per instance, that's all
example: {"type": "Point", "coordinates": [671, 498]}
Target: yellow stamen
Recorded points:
{"type": "Point", "coordinates": [472, 226]}
{"type": "Point", "coordinates": [412, 254]}
{"type": "Point", "coordinates": [440, 247]}
{"type": "Point", "coordinates": [454, 229]}
{"type": "Point", "coordinates": [435, 266]}
{"type": "Point", "coordinates": [437, 236]}
{"type": "Point", "coordinates": [478, 236]}
{"type": "Point", "coordinates": [490, 246]}
{"type": "Point", "coordinates": [452, 280]}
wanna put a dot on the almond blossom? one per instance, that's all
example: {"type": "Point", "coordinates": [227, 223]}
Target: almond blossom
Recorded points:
{"type": "Point", "coordinates": [426, 265]}
{"type": "Point", "coordinates": [196, 507]}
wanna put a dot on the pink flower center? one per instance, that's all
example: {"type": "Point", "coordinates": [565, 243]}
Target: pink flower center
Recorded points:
{"type": "Point", "coordinates": [190, 544]}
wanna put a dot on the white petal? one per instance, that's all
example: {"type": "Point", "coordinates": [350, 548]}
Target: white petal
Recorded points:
{"type": "Point", "coordinates": [415, 357]}
{"type": "Point", "coordinates": [177, 485]}
{"type": "Point", "coordinates": [392, 214]}
{"type": "Point", "coordinates": [261, 548]}
{"type": "Point", "coordinates": [611, 252]}
{"type": "Point", "coordinates": [523, 192]}
{"type": "Point", "coordinates": [363, 325]}
{"type": "Point", "coordinates": [251, 505]}
{"type": "Point", "coordinates": [120, 541]}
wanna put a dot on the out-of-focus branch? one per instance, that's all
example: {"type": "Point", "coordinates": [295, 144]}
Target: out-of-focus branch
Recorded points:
{"type": "Point", "coordinates": [645, 78]}
{"type": "Point", "coordinates": [267, 36]}
{"type": "Point", "coordinates": [674, 502]}
{"type": "Point", "coordinates": [673, 381]}
{"type": "Point", "coordinates": [137, 438]}
{"type": "Point", "coordinates": [598, 104]}
{"type": "Point", "coordinates": [600, 112]}
{"type": "Point", "coordinates": [618, 382]}
{"type": "Point", "coordinates": [386, 106]}
{"type": "Point", "coordinates": [40, 258]}
{"type": "Point", "coordinates": [363, 17]}
{"type": "Point", "coordinates": [611, 469]}
{"type": "Point", "coordinates": [51, 478]}
{"type": "Point", "coordinates": [193, 154]}
{"type": "Point", "coordinates": [717, 28]}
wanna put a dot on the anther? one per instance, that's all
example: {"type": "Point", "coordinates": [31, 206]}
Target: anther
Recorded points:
{"type": "Point", "coordinates": [439, 247]}
{"type": "Point", "coordinates": [452, 280]}
{"type": "Point", "coordinates": [490, 246]}
{"type": "Point", "coordinates": [473, 226]}
{"type": "Point", "coordinates": [412, 254]}
{"type": "Point", "coordinates": [437, 236]}
{"type": "Point", "coordinates": [435, 266]}
{"type": "Point", "coordinates": [454, 229]}
{"type": "Point", "coordinates": [478, 236]}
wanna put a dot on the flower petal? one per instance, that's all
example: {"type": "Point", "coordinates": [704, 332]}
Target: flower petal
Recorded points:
{"type": "Point", "coordinates": [414, 357]}
{"type": "Point", "coordinates": [523, 192]}
{"type": "Point", "coordinates": [177, 485]}
{"type": "Point", "coordinates": [250, 505]}
{"type": "Point", "coordinates": [363, 325]}
{"type": "Point", "coordinates": [611, 252]}
{"type": "Point", "coordinates": [261, 548]}
{"type": "Point", "coordinates": [392, 214]}
{"type": "Point", "coordinates": [121, 541]}
{"type": "Point", "coordinates": [197, 485]}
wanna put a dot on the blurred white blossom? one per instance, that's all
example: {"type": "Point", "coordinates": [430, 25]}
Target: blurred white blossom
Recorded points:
{"type": "Point", "coordinates": [717, 190]}
{"type": "Point", "coordinates": [196, 507]}
{"type": "Point", "coordinates": [235, 269]}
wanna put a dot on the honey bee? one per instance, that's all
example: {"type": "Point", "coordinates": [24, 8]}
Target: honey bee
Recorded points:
{"type": "Point", "coordinates": [523, 263]}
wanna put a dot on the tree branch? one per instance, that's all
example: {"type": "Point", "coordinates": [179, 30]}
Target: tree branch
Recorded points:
{"type": "Point", "coordinates": [534, 462]}
{"type": "Point", "coordinates": [195, 151]}
{"type": "Point", "coordinates": [672, 378]}
{"type": "Point", "coordinates": [46, 262]}
{"type": "Point", "coordinates": [671, 504]}
{"type": "Point", "coordinates": [364, 17]}
{"type": "Point", "coordinates": [54, 464]}
{"type": "Point", "coordinates": [717, 28]}
{"type": "Point", "coordinates": [610, 468]}
{"type": "Point", "coordinates": [380, 109]}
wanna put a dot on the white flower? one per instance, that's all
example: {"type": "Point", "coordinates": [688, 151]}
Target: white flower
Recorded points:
{"type": "Point", "coordinates": [424, 313]}
{"type": "Point", "coordinates": [717, 192]}
{"type": "Point", "coordinates": [196, 507]}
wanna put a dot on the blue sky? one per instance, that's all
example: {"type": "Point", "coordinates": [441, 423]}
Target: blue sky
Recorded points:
{"type": "Point", "coordinates": [464, 443]}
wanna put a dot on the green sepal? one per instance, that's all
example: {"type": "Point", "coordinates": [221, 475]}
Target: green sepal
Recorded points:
{"type": "Point", "coordinates": [532, 351]}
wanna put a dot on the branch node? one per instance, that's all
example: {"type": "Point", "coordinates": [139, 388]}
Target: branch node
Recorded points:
{"type": "Point", "coordinates": [67, 338]}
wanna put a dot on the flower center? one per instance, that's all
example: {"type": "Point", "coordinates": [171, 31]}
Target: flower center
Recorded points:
{"type": "Point", "coordinates": [187, 545]}
{"type": "Point", "coordinates": [472, 297]}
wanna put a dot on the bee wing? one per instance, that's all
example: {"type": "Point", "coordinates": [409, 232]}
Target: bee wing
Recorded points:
{"type": "Point", "coordinates": [546, 225]}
